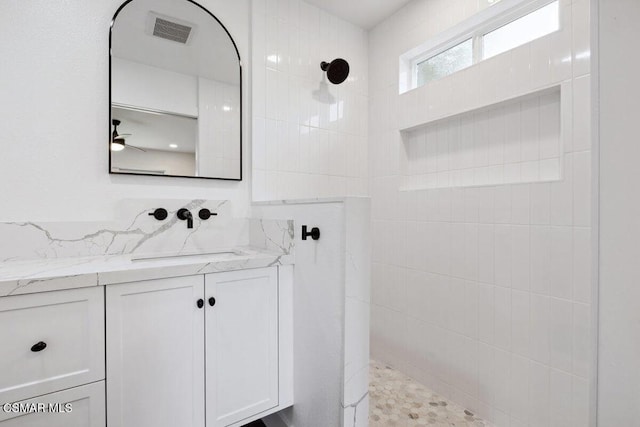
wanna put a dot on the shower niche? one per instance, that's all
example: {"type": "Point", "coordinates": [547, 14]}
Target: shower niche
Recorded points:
{"type": "Point", "coordinates": [515, 141]}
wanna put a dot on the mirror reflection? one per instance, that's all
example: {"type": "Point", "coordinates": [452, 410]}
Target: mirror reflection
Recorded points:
{"type": "Point", "coordinates": [175, 92]}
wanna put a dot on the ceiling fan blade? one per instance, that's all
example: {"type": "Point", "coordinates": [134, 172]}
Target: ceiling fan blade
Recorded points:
{"type": "Point", "coordinates": [137, 148]}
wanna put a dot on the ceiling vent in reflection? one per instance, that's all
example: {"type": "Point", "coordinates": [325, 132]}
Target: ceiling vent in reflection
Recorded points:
{"type": "Point", "coordinates": [170, 28]}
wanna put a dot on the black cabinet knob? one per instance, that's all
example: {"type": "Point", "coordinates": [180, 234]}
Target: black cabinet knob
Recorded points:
{"type": "Point", "coordinates": [212, 301]}
{"type": "Point", "coordinates": [200, 303]}
{"type": "Point", "coordinates": [205, 214]}
{"type": "Point", "coordinates": [39, 346]}
{"type": "Point", "coordinates": [160, 214]}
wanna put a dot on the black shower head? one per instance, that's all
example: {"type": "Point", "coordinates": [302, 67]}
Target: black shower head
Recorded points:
{"type": "Point", "coordinates": [337, 70]}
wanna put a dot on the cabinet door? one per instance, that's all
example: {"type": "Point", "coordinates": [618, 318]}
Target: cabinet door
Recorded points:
{"type": "Point", "coordinates": [86, 409]}
{"type": "Point", "coordinates": [241, 344]}
{"type": "Point", "coordinates": [155, 353]}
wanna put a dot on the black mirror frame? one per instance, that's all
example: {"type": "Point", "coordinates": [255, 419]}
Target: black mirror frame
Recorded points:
{"type": "Point", "coordinates": [113, 20]}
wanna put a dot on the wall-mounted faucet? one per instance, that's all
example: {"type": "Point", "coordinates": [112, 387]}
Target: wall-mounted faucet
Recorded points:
{"type": "Point", "coordinates": [185, 215]}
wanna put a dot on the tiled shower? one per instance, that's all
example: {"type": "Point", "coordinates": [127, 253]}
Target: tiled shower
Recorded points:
{"type": "Point", "coordinates": [481, 193]}
{"type": "Point", "coordinates": [481, 276]}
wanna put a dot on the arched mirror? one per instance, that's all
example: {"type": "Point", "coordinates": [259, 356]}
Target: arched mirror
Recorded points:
{"type": "Point", "coordinates": [176, 92]}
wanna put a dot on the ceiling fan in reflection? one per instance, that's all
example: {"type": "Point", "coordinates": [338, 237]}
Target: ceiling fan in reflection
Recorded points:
{"type": "Point", "coordinates": [118, 140]}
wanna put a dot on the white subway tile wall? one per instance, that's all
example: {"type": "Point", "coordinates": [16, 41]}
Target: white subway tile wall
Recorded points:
{"type": "Point", "coordinates": [309, 136]}
{"type": "Point", "coordinates": [483, 292]}
{"type": "Point", "coordinates": [219, 103]}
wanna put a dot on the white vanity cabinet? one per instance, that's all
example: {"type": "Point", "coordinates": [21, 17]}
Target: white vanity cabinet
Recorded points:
{"type": "Point", "coordinates": [155, 353]}
{"type": "Point", "coordinates": [186, 349]}
{"type": "Point", "coordinates": [241, 344]}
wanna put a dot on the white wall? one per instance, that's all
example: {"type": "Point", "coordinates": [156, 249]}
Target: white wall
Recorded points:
{"type": "Point", "coordinates": [55, 108]}
{"type": "Point", "coordinates": [142, 85]}
{"type": "Point", "coordinates": [310, 137]}
{"type": "Point", "coordinates": [619, 293]}
{"type": "Point", "coordinates": [331, 304]}
{"type": "Point", "coordinates": [483, 293]}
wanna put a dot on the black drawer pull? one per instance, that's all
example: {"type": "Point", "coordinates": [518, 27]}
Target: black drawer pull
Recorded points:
{"type": "Point", "coordinates": [200, 303]}
{"type": "Point", "coordinates": [212, 301]}
{"type": "Point", "coordinates": [39, 346]}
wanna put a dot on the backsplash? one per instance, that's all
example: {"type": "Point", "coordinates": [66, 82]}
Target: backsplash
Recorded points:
{"type": "Point", "coordinates": [134, 231]}
{"type": "Point", "coordinates": [272, 235]}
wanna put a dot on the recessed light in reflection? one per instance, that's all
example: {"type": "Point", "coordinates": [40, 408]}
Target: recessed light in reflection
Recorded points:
{"type": "Point", "coordinates": [173, 146]}
{"type": "Point", "coordinates": [226, 108]}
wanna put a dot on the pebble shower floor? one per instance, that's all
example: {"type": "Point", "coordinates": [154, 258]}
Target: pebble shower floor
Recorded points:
{"type": "Point", "coordinates": [395, 400]}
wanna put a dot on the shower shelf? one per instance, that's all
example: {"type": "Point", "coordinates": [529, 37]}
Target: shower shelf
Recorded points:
{"type": "Point", "coordinates": [515, 141]}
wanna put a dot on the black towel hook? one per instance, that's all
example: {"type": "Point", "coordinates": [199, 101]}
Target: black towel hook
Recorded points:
{"type": "Point", "coordinates": [314, 233]}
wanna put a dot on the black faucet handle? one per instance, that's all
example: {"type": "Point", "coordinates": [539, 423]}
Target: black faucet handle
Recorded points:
{"type": "Point", "coordinates": [160, 214]}
{"type": "Point", "coordinates": [205, 214]}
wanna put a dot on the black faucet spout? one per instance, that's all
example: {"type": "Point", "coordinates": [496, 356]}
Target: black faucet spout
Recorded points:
{"type": "Point", "coordinates": [185, 214]}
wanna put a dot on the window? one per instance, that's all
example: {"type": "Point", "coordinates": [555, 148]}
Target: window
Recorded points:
{"type": "Point", "coordinates": [495, 30]}
{"type": "Point", "coordinates": [523, 30]}
{"type": "Point", "coordinates": [448, 62]}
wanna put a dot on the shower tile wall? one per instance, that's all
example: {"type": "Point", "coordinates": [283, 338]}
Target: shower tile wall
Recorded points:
{"type": "Point", "coordinates": [309, 136]}
{"type": "Point", "coordinates": [483, 293]}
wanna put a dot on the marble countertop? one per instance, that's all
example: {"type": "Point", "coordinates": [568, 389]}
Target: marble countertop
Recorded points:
{"type": "Point", "coordinates": [23, 277]}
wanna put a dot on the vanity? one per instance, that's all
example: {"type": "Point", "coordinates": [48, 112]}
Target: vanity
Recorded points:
{"type": "Point", "coordinates": [180, 315]}
{"type": "Point", "coordinates": [184, 340]}
{"type": "Point", "coordinates": [140, 322]}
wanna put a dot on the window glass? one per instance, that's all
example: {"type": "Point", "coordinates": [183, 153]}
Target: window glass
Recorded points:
{"type": "Point", "coordinates": [445, 63]}
{"type": "Point", "coordinates": [543, 21]}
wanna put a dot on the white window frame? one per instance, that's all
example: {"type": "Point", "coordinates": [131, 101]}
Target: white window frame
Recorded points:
{"type": "Point", "coordinates": [476, 27]}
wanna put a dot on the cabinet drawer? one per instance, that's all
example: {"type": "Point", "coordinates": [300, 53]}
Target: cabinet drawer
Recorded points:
{"type": "Point", "coordinates": [50, 341]}
{"type": "Point", "coordinates": [85, 408]}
